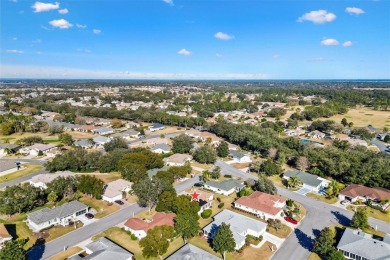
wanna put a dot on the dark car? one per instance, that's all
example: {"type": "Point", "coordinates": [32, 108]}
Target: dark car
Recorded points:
{"type": "Point", "coordinates": [291, 220]}
{"type": "Point", "coordinates": [89, 216]}
{"type": "Point", "coordinates": [119, 202]}
{"type": "Point", "coordinates": [198, 184]}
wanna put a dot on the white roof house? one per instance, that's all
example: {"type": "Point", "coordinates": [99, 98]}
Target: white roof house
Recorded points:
{"type": "Point", "coordinates": [36, 148]}
{"type": "Point", "coordinates": [240, 225]}
{"type": "Point", "coordinates": [103, 131]}
{"type": "Point", "coordinates": [114, 189]}
{"type": "Point", "coordinates": [156, 127]}
{"type": "Point", "coordinates": [41, 180]}
{"type": "Point", "coordinates": [101, 140]}
{"type": "Point", "coordinates": [191, 252]}
{"type": "Point", "coordinates": [161, 148]}
{"type": "Point", "coordinates": [225, 187]}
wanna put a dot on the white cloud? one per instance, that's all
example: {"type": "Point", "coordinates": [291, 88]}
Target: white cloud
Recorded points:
{"type": "Point", "coordinates": [14, 51]}
{"type": "Point", "coordinates": [170, 2]}
{"type": "Point", "coordinates": [223, 36]}
{"type": "Point", "coordinates": [20, 71]}
{"type": "Point", "coordinates": [97, 31]}
{"type": "Point", "coordinates": [61, 23]}
{"type": "Point", "coordinates": [347, 44]}
{"type": "Point", "coordinates": [39, 52]}
{"type": "Point", "coordinates": [14, 38]}
{"type": "Point", "coordinates": [13, 1]}
{"type": "Point", "coordinates": [184, 52]}
{"type": "Point", "coordinates": [83, 50]}
{"type": "Point", "coordinates": [354, 10]}
{"type": "Point", "coordinates": [44, 7]}
{"type": "Point", "coordinates": [218, 55]}
{"type": "Point", "coordinates": [329, 42]}
{"type": "Point", "coordinates": [317, 59]}
{"type": "Point", "coordinates": [82, 26]}
{"type": "Point", "coordinates": [276, 56]}
{"type": "Point", "coordinates": [63, 11]}
{"type": "Point", "coordinates": [318, 17]}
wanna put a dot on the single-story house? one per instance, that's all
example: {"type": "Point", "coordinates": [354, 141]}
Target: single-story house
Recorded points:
{"type": "Point", "coordinates": [140, 227]}
{"type": "Point", "coordinates": [4, 235]}
{"type": "Point", "coordinates": [87, 128]}
{"type": "Point", "coordinates": [131, 124]}
{"type": "Point", "coordinates": [177, 159]}
{"type": "Point", "coordinates": [262, 205]}
{"type": "Point", "coordinates": [355, 244]}
{"type": "Point", "coordinates": [356, 142]}
{"type": "Point", "coordinates": [104, 248]}
{"type": "Point", "coordinates": [225, 187]}
{"type": "Point", "coordinates": [239, 157]}
{"type": "Point", "coordinates": [161, 148]}
{"type": "Point", "coordinates": [191, 252]}
{"type": "Point", "coordinates": [193, 133]}
{"type": "Point", "coordinates": [84, 143]}
{"type": "Point", "coordinates": [5, 148]}
{"type": "Point", "coordinates": [100, 141]}
{"type": "Point", "coordinates": [316, 134]}
{"type": "Point", "coordinates": [295, 132]}
{"type": "Point", "coordinates": [35, 149]}
{"type": "Point", "coordinates": [311, 182]}
{"type": "Point", "coordinates": [356, 192]}
{"type": "Point", "coordinates": [205, 199]}
{"type": "Point", "coordinates": [152, 172]}
{"type": "Point", "coordinates": [240, 225]}
{"type": "Point", "coordinates": [215, 140]}
{"type": "Point", "coordinates": [60, 215]}
{"type": "Point", "coordinates": [156, 127]}
{"type": "Point", "coordinates": [340, 137]}
{"type": "Point", "coordinates": [114, 189]}
{"type": "Point", "coordinates": [103, 131]}
{"type": "Point", "coordinates": [41, 180]}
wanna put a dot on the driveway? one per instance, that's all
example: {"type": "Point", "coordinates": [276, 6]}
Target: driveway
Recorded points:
{"type": "Point", "coordinates": [277, 241]}
{"type": "Point", "coordinates": [303, 191]}
{"type": "Point", "coordinates": [85, 220]}
{"type": "Point", "coordinates": [381, 145]}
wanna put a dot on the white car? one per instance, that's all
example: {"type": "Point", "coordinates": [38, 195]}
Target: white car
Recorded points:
{"type": "Point", "coordinates": [344, 202]}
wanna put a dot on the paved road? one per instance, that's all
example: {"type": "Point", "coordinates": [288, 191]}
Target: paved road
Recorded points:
{"type": "Point", "coordinates": [25, 178]}
{"type": "Point", "coordinates": [379, 144]}
{"type": "Point", "coordinates": [319, 215]}
{"type": "Point", "coordinates": [56, 246]}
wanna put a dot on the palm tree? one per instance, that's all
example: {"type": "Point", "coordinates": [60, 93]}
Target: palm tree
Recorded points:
{"type": "Point", "coordinates": [294, 181]}
{"type": "Point", "coordinates": [333, 189]}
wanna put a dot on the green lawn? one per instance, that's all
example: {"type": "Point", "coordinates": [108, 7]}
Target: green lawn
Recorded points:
{"type": "Point", "coordinates": [101, 206]}
{"type": "Point", "coordinates": [374, 213]}
{"type": "Point", "coordinates": [27, 170]}
{"type": "Point", "coordinates": [321, 198]}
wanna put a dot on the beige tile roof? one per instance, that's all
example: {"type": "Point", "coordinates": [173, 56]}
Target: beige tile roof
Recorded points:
{"type": "Point", "coordinates": [159, 219]}
{"type": "Point", "coordinates": [261, 201]}
{"type": "Point", "coordinates": [116, 187]}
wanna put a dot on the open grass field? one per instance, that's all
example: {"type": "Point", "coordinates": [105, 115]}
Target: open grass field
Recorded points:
{"type": "Point", "coordinates": [364, 116]}
{"type": "Point", "coordinates": [28, 169]}
{"type": "Point", "coordinates": [45, 136]}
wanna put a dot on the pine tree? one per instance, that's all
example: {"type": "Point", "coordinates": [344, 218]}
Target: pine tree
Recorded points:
{"type": "Point", "coordinates": [360, 219]}
{"type": "Point", "coordinates": [12, 250]}
{"type": "Point", "coordinates": [323, 243]}
{"type": "Point", "coordinates": [223, 240]}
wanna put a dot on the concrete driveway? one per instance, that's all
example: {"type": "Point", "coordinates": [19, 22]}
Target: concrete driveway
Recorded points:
{"type": "Point", "coordinates": [277, 241]}
{"type": "Point", "coordinates": [85, 220]}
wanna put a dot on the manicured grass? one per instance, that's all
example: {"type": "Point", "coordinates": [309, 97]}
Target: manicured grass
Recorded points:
{"type": "Point", "coordinates": [321, 198]}
{"type": "Point", "coordinates": [100, 206]}
{"type": "Point", "coordinates": [277, 180]}
{"type": "Point", "coordinates": [58, 231]}
{"type": "Point", "coordinates": [68, 253]}
{"type": "Point", "coordinates": [49, 141]}
{"type": "Point", "coordinates": [240, 165]}
{"type": "Point", "coordinates": [314, 256]}
{"type": "Point", "coordinates": [201, 165]}
{"type": "Point", "coordinates": [27, 170]}
{"type": "Point", "coordinates": [374, 213]}
{"type": "Point", "coordinates": [120, 237]}
{"type": "Point", "coordinates": [283, 232]}
{"type": "Point", "coordinates": [108, 177]}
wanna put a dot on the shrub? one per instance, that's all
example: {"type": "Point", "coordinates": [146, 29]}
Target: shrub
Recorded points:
{"type": "Point", "coordinates": [220, 205]}
{"type": "Point", "coordinates": [207, 213]}
{"type": "Point", "coordinates": [218, 199]}
{"type": "Point", "coordinates": [227, 176]}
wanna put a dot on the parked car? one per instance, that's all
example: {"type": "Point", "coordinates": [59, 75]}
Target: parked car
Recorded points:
{"type": "Point", "coordinates": [119, 202]}
{"type": "Point", "coordinates": [344, 202]}
{"type": "Point", "coordinates": [198, 184]}
{"type": "Point", "coordinates": [89, 215]}
{"type": "Point", "coordinates": [291, 220]}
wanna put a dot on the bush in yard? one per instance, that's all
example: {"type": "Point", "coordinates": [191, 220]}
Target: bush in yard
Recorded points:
{"type": "Point", "coordinates": [218, 199]}
{"type": "Point", "coordinates": [227, 176]}
{"type": "Point", "coordinates": [220, 205]}
{"type": "Point", "coordinates": [207, 213]}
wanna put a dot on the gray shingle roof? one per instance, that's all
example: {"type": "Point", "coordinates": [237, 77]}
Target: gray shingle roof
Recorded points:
{"type": "Point", "coordinates": [103, 249]}
{"type": "Point", "coordinates": [156, 125]}
{"type": "Point", "coordinates": [306, 178]}
{"type": "Point", "coordinates": [191, 252]}
{"type": "Point", "coordinates": [226, 184]}
{"type": "Point", "coordinates": [362, 244]}
{"type": "Point", "coordinates": [83, 143]}
{"type": "Point", "coordinates": [46, 214]}
{"type": "Point", "coordinates": [238, 224]}
{"type": "Point", "coordinates": [236, 154]}
{"type": "Point", "coordinates": [163, 147]}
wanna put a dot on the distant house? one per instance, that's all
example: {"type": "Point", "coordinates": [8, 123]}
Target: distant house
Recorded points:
{"type": "Point", "coordinates": [191, 252]}
{"type": "Point", "coordinates": [41, 180]}
{"type": "Point", "coordinates": [84, 143]}
{"type": "Point", "coordinates": [356, 142]}
{"type": "Point", "coordinates": [152, 172]}
{"type": "Point", "coordinates": [204, 136]}
{"type": "Point", "coordinates": [177, 159]}
{"type": "Point", "coordinates": [103, 131]}
{"type": "Point", "coordinates": [239, 157]}
{"type": "Point", "coordinates": [193, 133]}
{"type": "Point", "coordinates": [104, 248]}
{"type": "Point", "coordinates": [240, 225]}
{"type": "Point", "coordinates": [161, 148]}
{"type": "Point", "coordinates": [87, 128]}
{"type": "Point", "coordinates": [35, 149]}
{"type": "Point", "coordinates": [100, 141]}
{"type": "Point", "coordinates": [5, 148]}
{"type": "Point", "coordinates": [205, 199]}
{"type": "Point", "coordinates": [316, 134]}
{"type": "Point", "coordinates": [225, 187]}
{"type": "Point", "coordinates": [60, 215]}
{"type": "Point", "coordinates": [114, 189]}
{"type": "Point", "coordinates": [356, 192]}
{"type": "Point", "coordinates": [311, 182]}
{"type": "Point", "coordinates": [129, 134]}
{"type": "Point", "coordinates": [156, 127]}
{"type": "Point", "coordinates": [340, 137]}
{"type": "Point", "coordinates": [4, 235]}
{"type": "Point", "coordinates": [140, 227]}
{"type": "Point", "coordinates": [355, 244]}
{"type": "Point", "coordinates": [295, 132]}
{"type": "Point", "coordinates": [262, 205]}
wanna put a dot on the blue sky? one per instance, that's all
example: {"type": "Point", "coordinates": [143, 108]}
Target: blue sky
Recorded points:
{"type": "Point", "coordinates": [195, 39]}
